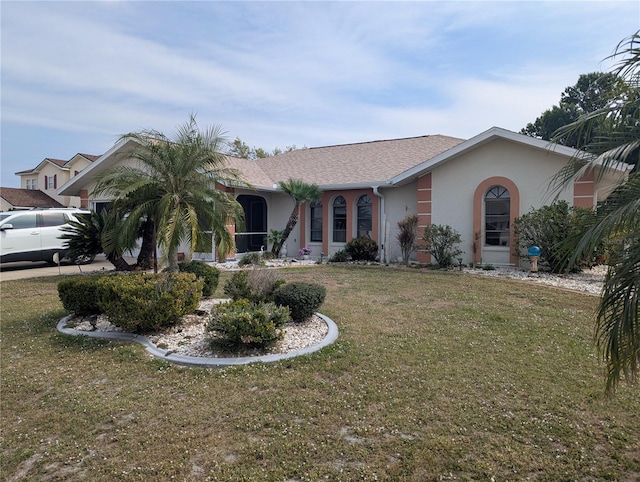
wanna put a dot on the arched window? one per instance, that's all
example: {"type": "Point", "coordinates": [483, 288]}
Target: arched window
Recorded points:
{"type": "Point", "coordinates": [365, 216]}
{"type": "Point", "coordinates": [497, 204]}
{"type": "Point", "coordinates": [339, 220]}
{"type": "Point", "coordinates": [315, 209]}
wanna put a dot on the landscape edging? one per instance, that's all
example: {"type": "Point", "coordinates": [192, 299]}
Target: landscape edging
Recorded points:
{"type": "Point", "coordinates": [195, 361]}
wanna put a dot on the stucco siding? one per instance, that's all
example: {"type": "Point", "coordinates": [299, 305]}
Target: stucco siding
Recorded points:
{"type": "Point", "coordinates": [454, 184]}
{"type": "Point", "coordinates": [399, 203]}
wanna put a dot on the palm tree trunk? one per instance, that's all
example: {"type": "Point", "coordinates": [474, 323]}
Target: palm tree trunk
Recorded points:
{"type": "Point", "coordinates": [291, 223]}
{"type": "Point", "coordinates": [145, 257]}
{"type": "Point", "coordinates": [119, 262]}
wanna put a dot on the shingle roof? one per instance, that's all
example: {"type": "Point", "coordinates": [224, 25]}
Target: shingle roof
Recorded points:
{"type": "Point", "coordinates": [57, 162]}
{"type": "Point", "coordinates": [359, 164]}
{"type": "Point", "coordinates": [32, 198]}
{"type": "Point", "coordinates": [90, 157]}
{"type": "Point", "coordinates": [251, 171]}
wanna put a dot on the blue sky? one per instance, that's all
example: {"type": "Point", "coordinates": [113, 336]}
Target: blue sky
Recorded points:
{"type": "Point", "coordinates": [76, 75]}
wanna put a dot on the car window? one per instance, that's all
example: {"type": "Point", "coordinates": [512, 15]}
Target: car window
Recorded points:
{"type": "Point", "coordinates": [53, 219]}
{"type": "Point", "coordinates": [24, 221]}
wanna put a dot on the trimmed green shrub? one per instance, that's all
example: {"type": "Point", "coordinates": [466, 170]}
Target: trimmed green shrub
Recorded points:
{"type": "Point", "coordinates": [140, 302]}
{"type": "Point", "coordinates": [237, 287]}
{"type": "Point", "coordinates": [78, 294]}
{"type": "Point", "coordinates": [339, 257]}
{"type": "Point", "coordinates": [244, 323]}
{"type": "Point", "coordinates": [209, 275]}
{"type": "Point", "coordinates": [253, 258]}
{"type": "Point", "coordinates": [362, 249]}
{"type": "Point", "coordinates": [302, 299]}
{"type": "Point", "coordinates": [555, 229]}
{"type": "Point", "coordinates": [440, 241]}
{"type": "Point", "coordinates": [256, 285]}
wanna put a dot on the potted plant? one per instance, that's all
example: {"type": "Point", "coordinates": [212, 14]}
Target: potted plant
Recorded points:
{"type": "Point", "coordinates": [304, 252]}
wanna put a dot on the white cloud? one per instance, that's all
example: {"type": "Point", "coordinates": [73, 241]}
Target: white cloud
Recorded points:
{"type": "Point", "coordinates": [305, 73]}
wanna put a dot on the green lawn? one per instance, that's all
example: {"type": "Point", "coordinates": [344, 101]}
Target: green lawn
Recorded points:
{"type": "Point", "coordinates": [435, 376]}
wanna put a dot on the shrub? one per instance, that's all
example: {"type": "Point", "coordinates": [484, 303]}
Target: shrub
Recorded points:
{"type": "Point", "coordinates": [242, 322]}
{"type": "Point", "coordinates": [555, 229]}
{"type": "Point", "coordinates": [263, 283]}
{"type": "Point", "coordinates": [253, 258]}
{"type": "Point", "coordinates": [339, 257]}
{"type": "Point", "coordinates": [140, 302]}
{"type": "Point", "coordinates": [303, 299]}
{"type": "Point", "coordinates": [440, 241]}
{"type": "Point", "coordinates": [78, 294]}
{"type": "Point", "coordinates": [407, 236]}
{"type": "Point", "coordinates": [255, 285]}
{"type": "Point", "coordinates": [209, 275]}
{"type": "Point", "coordinates": [362, 249]}
{"type": "Point", "coordinates": [237, 287]}
{"type": "Point", "coordinates": [268, 255]}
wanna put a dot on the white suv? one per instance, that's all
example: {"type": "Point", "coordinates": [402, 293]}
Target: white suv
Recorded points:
{"type": "Point", "coordinates": [33, 235]}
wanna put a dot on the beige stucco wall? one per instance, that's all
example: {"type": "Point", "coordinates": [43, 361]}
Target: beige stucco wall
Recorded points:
{"type": "Point", "coordinates": [49, 170]}
{"type": "Point", "coordinates": [4, 205]}
{"type": "Point", "coordinates": [400, 202]}
{"type": "Point", "coordinates": [455, 182]}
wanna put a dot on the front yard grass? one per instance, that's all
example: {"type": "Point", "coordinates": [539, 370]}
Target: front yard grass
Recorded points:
{"type": "Point", "coordinates": [435, 376]}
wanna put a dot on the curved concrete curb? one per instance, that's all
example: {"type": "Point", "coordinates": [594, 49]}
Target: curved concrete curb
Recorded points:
{"type": "Point", "coordinates": [195, 361]}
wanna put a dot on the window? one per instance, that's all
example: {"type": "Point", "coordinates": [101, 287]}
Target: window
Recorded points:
{"type": "Point", "coordinates": [32, 183]}
{"type": "Point", "coordinates": [26, 221]}
{"type": "Point", "coordinates": [496, 218]}
{"type": "Point", "coordinates": [339, 220]}
{"type": "Point", "coordinates": [365, 218]}
{"type": "Point", "coordinates": [53, 219]}
{"type": "Point", "coordinates": [316, 221]}
{"type": "Point", "coordinates": [50, 182]}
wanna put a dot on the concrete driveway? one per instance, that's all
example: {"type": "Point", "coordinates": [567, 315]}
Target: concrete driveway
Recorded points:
{"type": "Point", "coordinates": [11, 271]}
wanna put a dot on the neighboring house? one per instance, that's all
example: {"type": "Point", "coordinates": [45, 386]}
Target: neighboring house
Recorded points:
{"type": "Point", "coordinates": [477, 186]}
{"type": "Point", "coordinates": [51, 174]}
{"type": "Point", "coordinates": [15, 198]}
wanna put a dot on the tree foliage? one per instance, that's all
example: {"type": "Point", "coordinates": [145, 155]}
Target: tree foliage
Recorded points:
{"type": "Point", "coordinates": [591, 92]}
{"type": "Point", "coordinates": [301, 192]}
{"type": "Point", "coordinates": [174, 186]}
{"type": "Point", "coordinates": [618, 324]}
{"type": "Point", "coordinates": [239, 148]}
{"type": "Point", "coordinates": [95, 233]}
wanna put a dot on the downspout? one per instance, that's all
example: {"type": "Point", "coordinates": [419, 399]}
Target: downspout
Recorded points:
{"type": "Point", "coordinates": [382, 230]}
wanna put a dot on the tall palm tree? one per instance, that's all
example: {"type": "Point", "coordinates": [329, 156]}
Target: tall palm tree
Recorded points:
{"type": "Point", "coordinates": [175, 187]}
{"type": "Point", "coordinates": [617, 324]}
{"type": "Point", "coordinates": [301, 192]}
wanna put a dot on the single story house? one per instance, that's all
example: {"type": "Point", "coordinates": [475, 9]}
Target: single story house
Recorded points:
{"type": "Point", "coordinates": [477, 186]}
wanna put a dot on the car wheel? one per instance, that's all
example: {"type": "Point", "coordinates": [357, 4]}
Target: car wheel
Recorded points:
{"type": "Point", "coordinates": [85, 259]}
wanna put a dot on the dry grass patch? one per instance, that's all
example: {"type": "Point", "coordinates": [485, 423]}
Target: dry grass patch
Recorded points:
{"type": "Point", "coordinates": [435, 375]}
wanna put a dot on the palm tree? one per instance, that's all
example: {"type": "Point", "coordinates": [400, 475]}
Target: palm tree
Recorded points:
{"type": "Point", "coordinates": [175, 188]}
{"type": "Point", "coordinates": [301, 192]}
{"type": "Point", "coordinates": [93, 234]}
{"type": "Point", "coordinates": [617, 324]}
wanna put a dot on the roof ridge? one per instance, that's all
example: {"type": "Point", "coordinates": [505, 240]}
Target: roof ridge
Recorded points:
{"type": "Point", "coordinates": [381, 140]}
